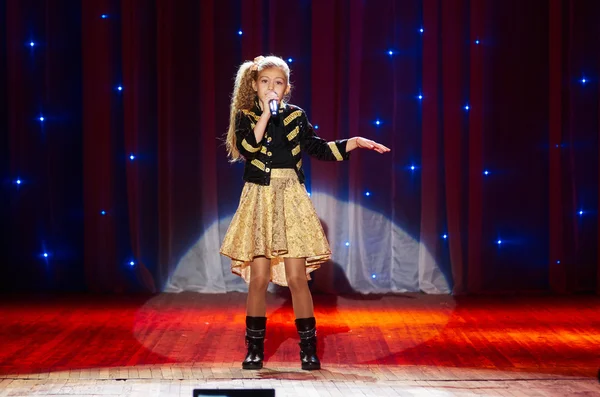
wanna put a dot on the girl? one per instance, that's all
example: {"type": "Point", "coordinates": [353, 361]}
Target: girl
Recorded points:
{"type": "Point", "coordinates": [275, 234]}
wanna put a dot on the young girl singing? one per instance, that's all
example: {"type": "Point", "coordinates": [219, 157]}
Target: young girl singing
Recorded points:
{"type": "Point", "coordinates": [275, 234]}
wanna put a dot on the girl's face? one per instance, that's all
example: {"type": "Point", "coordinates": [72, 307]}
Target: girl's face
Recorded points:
{"type": "Point", "coordinates": [271, 80]}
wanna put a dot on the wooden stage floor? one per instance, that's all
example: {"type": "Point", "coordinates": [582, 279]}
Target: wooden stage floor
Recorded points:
{"type": "Point", "coordinates": [406, 344]}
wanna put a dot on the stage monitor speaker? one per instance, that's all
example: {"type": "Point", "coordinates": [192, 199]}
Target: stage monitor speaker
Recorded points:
{"type": "Point", "coordinates": [234, 392]}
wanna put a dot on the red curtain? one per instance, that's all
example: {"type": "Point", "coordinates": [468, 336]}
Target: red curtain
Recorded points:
{"type": "Point", "coordinates": [491, 109]}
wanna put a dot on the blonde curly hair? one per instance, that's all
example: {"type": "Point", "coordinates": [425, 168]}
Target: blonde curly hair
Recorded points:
{"type": "Point", "coordinates": [243, 95]}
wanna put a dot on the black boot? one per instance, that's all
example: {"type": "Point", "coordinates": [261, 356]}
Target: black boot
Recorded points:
{"type": "Point", "coordinates": [307, 329]}
{"type": "Point", "coordinates": [255, 342]}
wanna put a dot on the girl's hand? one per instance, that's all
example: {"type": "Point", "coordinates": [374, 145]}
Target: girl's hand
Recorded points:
{"type": "Point", "coordinates": [265, 101]}
{"type": "Point", "coordinates": [364, 143]}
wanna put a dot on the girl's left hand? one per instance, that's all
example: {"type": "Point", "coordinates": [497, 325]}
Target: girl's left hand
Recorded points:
{"type": "Point", "coordinates": [364, 143]}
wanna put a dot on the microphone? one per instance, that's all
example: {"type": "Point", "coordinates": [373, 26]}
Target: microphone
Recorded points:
{"type": "Point", "coordinates": [273, 106]}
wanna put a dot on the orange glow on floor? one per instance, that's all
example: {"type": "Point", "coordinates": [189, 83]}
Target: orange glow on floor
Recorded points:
{"type": "Point", "coordinates": [556, 335]}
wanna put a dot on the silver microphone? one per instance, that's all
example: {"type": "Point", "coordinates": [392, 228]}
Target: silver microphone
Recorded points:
{"type": "Point", "coordinates": [273, 106]}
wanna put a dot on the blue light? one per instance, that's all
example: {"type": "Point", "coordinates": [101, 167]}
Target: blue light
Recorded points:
{"type": "Point", "coordinates": [377, 122]}
{"type": "Point", "coordinates": [240, 32]}
{"type": "Point", "coordinates": [580, 212]}
{"type": "Point", "coordinates": [558, 262]}
{"type": "Point", "coordinates": [18, 181]}
{"type": "Point", "coordinates": [290, 60]}
{"type": "Point", "coordinates": [367, 194]}
{"type": "Point", "coordinates": [486, 172]}
{"type": "Point", "coordinates": [420, 97]}
{"type": "Point", "coordinates": [316, 127]}
{"type": "Point", "coordinates": [103, 212]}
{"type": "Point", "coordinates": [499, 242]}
{"type": "Point", "coordinates": [45, 254]}
{"type": "Point", "coordinates": [131, 157]}
{"type": "Point", "coordinates": [132, 263]}
{"type": "Point", "coordinates": [412, 167]}
{"type": "Point", "coordinates": [583, 81]}
{"type": "Point", "coordinates": [373, 276]}
{"type": "Point", "coordinates": [445, 236]}
{"type": "Point", "coordinates": [41, 118]}
{"type": "Point", "coordinates": [421, 30]}
{"type": "Point", "coordinates": [347, 243]}
{"type": "Point", "coordinates": [104, 16]}
{"type": "Point", "coordinates": [120, 88]}
{"type": "Point", "coordinates": [390, 52]}
{"type": "Point", "coordinates": [31, 43]}
{"type": "Point", "coordinates": [467, 107]}
{"type": "Point", "coordinates": [476, 41]}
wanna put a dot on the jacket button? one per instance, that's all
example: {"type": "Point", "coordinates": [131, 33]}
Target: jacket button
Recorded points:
{"type": "Point", "coordinates": [269, 154]}
{"type": "Point", "coordinates": [269, 139]}
{"type": "Point", "coordinates": [267, 169]}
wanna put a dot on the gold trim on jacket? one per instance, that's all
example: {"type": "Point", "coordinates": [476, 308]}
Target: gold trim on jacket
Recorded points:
{"type": "Point", "coordinates": [300, 135]}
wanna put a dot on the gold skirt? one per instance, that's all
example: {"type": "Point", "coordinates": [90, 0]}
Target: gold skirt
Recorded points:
{"type": "Point", "coordinates": [276, 221]}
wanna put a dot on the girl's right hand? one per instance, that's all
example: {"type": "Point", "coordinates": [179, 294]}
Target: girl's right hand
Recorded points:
{"type": "Point", "coordinates": [265, 101]}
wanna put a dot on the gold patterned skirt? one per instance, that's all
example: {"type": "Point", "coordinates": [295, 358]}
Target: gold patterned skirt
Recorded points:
{"type": "Point", "coordinates": [276, 221]}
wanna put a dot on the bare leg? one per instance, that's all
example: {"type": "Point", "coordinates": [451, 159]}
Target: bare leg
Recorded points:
{"type": "Point", "coordinates": [295, 271]}
{"type": "Point", "coordinates": [256, 309]}
{"type": "Point", "coordinates": [256, 305]}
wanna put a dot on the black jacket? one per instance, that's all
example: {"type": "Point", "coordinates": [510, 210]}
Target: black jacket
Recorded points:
{"type": "Point", "coordinates": [300, 136]}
